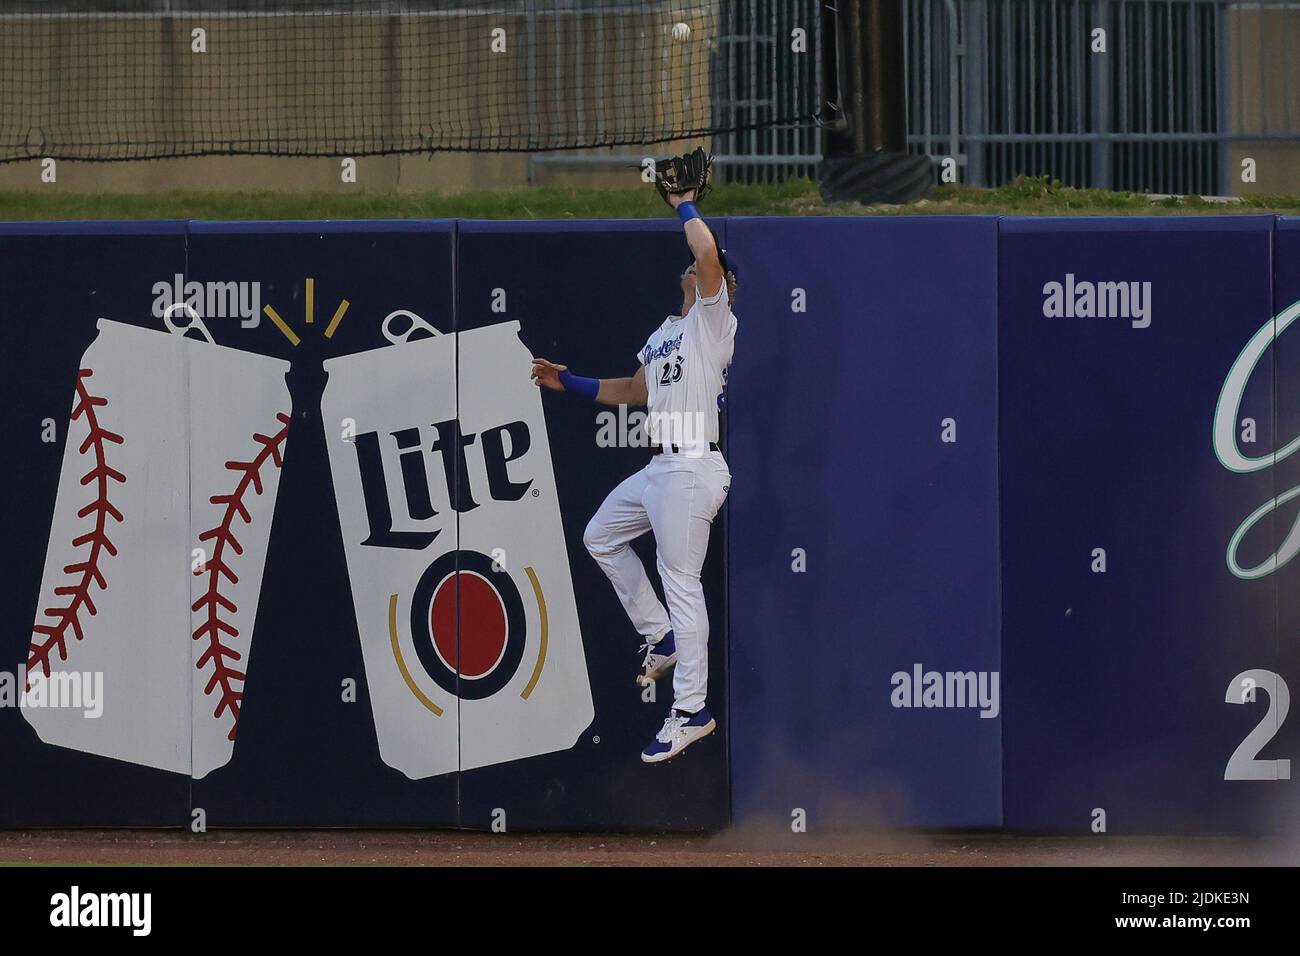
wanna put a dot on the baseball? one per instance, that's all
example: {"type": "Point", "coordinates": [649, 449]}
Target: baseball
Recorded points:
{"type": "Point", "coordinates": [681, 31]}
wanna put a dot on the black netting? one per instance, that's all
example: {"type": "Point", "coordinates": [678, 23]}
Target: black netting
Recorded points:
{"type": "Point", "coordinates": [140, 79]}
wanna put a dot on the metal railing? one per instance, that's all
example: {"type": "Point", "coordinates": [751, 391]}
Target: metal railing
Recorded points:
{"type": "Point", "coordinates": [755, 74]}
{"type": "Point", "coordinates": [1012, 87]}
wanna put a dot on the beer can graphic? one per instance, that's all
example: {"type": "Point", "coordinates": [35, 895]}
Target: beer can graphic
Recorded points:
{"type": "Point", "coordinates": [154, 560]}
{"type": "Point", "coordinates": [455, 549]}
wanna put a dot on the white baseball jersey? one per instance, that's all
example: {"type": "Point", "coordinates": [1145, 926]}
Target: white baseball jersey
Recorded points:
{"type": "Point", "coordinates": [686, 361]}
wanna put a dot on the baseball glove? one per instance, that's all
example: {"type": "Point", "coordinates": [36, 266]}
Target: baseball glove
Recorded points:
{"type": "Point", "coordinates": [677, 174]}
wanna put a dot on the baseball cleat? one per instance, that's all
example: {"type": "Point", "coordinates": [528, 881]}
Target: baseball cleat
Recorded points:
{"type": "Point", "coordinates": [659, 659]}
{"type": "Point", "coordinates": [679, 731]}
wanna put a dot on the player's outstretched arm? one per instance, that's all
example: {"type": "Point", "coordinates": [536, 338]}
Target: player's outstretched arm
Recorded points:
{"type": "Point", "coordinates": [623, 391]}
{"type": "Point", "coordinates": [607, 391]}
{"type": "Point", "coordinates": [708, 266]}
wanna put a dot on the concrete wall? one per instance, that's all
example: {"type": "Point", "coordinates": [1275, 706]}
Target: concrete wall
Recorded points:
{"type": "Point", "coordinates": [1264, 59]}
{"type": "Point", "coordinates": [334, 83]}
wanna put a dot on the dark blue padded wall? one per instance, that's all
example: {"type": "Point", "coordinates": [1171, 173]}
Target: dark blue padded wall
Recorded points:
{"type": "Point", "coordinates": [58, 279]}
{"type": "Point", "coordinates": [1124, 626]}
{"type": "Point", "coordinates": [312, 746]}
{"type": "Point", "coordinates": [863, 544]}
{"type": "Point", "coordinates": [588, 295]}
{"type": "Point", "coordinates": [307, 751]}
{"type": "Point", "coordinates": [1284, 468]}
{"type": "Point", "coordinates": [929, 443]}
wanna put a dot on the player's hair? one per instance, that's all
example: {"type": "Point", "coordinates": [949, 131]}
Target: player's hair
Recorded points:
{"type": "Point", "coordinates": [717, 244]}
{"type": "Point", "coordinates": [728, 269]}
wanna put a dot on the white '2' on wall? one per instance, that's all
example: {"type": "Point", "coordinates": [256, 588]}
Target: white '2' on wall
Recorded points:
{"type": "Point", "coordinates": [1244, 763]}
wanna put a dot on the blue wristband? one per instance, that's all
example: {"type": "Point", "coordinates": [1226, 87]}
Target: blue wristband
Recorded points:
{"type": "Point", "coordinates": [588, 387]}
{"type": "Point", "coordinates": [688, 211]}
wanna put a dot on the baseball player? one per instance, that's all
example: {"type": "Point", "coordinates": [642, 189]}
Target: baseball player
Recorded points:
{"type": "Point", "coordinates": [681, 376]}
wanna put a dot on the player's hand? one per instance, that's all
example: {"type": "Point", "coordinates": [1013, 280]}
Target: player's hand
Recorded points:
{"type": "Point", "coordinates": [676, 199]}
{"type": "Point", "coordinates": [547, 374]}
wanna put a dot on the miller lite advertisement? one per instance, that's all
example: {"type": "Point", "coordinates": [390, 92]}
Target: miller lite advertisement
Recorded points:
{"type": "Point", "coordinates": [295, 540]}
{"type": "Point", "coordinates": [455, 550]}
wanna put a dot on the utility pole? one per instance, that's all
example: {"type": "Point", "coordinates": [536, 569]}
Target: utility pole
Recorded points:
{"type": "Point", "coordinates": [866, 158]}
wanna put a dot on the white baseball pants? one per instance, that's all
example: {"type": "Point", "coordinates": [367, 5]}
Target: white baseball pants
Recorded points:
{"type": "Point", "coordinates": [676, 496]}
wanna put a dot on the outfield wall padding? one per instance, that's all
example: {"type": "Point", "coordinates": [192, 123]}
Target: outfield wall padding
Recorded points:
{"type": "Point", "coordinates": [987, 560]}
{"type": "Point", "coordinates": [863, 440]}
{"type": "Point", "coordinates": [1123, 626]}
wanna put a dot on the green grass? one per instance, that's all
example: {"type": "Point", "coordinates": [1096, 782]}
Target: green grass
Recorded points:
{"type": "Point", "coordinates": [1026, 196]}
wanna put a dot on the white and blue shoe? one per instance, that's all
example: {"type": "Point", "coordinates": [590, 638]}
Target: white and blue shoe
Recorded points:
{"type": "Point", "coordinates": [660, 657]}
{"type": "Point", "coordinates": [679, 731]}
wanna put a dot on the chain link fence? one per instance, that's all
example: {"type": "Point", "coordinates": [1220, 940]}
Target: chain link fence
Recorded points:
{"type": "Point", "coordinates": [1143, 95]}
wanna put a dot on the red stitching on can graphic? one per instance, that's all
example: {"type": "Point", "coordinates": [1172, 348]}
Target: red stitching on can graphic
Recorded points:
{"type": "Point", "coordinates": [219, 654]}
{"type": "Point", "coordinates": [69, 616]}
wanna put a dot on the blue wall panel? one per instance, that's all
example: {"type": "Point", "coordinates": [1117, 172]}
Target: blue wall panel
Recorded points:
{"type": "Point", "coordinates": [304, 755]}
{"type": "Point", "coordinates": [1285, 474]}
{"type": "Point", "coordinates": [588, 295]}
{"type": "Point", "coordinates": [837, 450]}
{"type": "Point", "coordinates": [1116, 679]}
{"type": "Point", "coordinates": [57, 280]}
{"type": "Point", "coordinates": [860, 545]}
{"type": "Point", "coordinates": [308, 751]}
